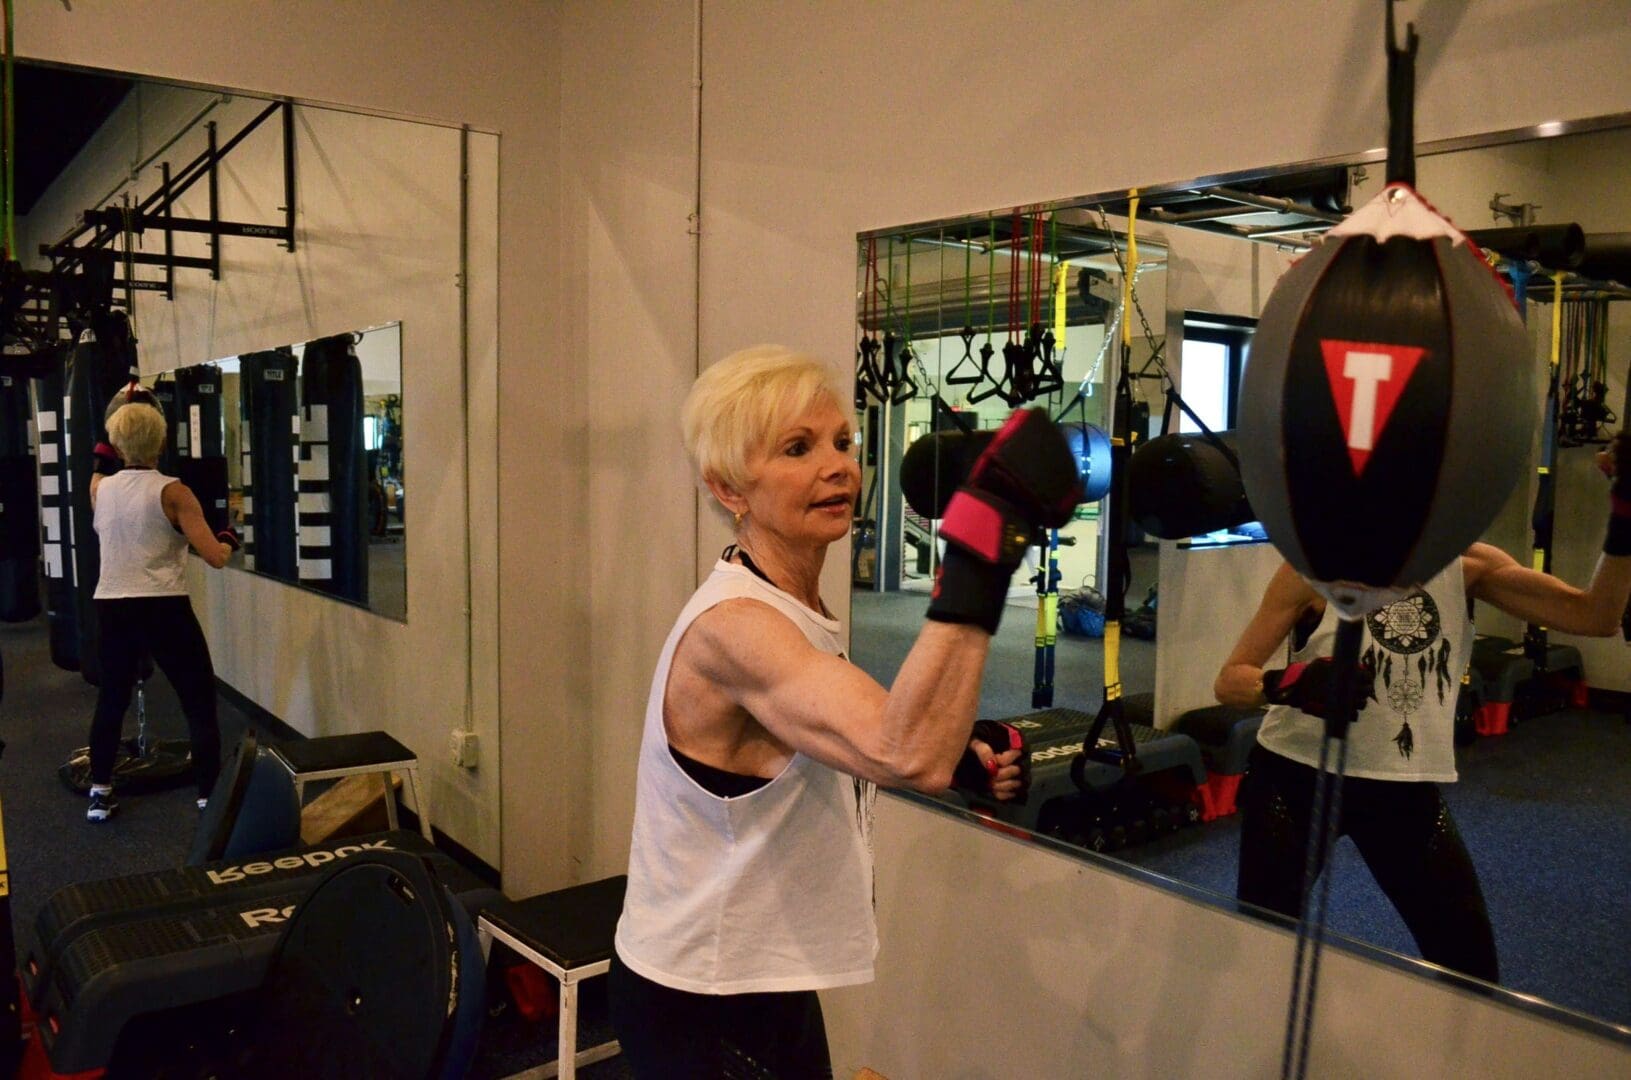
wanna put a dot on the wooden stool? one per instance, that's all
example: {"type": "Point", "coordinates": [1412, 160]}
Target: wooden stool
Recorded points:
{"type": "Point", "coordinates": [569, 934]}
{"type": "Point", "coordinates": [332, 756]}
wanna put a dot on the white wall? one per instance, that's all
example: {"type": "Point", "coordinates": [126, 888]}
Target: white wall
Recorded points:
{"type": "Point", "coordinates": [806, 143]}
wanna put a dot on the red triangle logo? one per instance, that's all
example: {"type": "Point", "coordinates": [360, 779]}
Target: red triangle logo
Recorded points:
{"type": "Point", "coordinates": [1367, 379]}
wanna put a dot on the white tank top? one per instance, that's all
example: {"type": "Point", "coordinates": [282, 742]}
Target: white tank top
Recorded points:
{"type": "Point", "coordinates": [142, 553]}
{"type": "Point", "coordinates": [768, 891]}
{"type": "Point", "coordinates": [1419, 648]}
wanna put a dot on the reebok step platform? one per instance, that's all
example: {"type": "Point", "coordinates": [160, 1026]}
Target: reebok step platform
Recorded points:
{"type": "Point", "coordinates": [180, 954]}
{"type": "Point", "coordinates": [76, 909]}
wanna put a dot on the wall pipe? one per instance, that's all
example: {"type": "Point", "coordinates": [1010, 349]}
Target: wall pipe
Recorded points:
{"type": "Point", "coordinates": [468, 721]}
{"type": "Point", "coordinates": [695, 231]}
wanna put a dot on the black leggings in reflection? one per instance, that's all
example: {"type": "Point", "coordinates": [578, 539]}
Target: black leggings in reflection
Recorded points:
{"type": "Point", "coordinates": [670, 1034]}
{"type": "Point", "coordinates": [166, 627]}
{"type": "Point", "coordinates": [1405, 833]}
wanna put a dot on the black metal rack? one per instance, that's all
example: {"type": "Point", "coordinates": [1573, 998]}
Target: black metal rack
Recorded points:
{"type": "Point", "coordinates": [100, 229]}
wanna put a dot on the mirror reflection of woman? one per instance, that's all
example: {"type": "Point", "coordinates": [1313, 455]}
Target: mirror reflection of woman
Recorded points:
{"type": "Point", "coordinates": [750, 870]}
{"type": "Point", "coordinates": [1401, 745]}
{"type": "Point", "coordinates": [145, 522]}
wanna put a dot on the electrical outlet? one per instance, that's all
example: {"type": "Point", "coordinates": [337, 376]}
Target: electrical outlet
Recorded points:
{"type": "Point", "coordinates": [462, 745]}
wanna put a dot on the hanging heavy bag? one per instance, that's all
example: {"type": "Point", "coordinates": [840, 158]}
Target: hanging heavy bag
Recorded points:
{"type": "Point", "coordinates": [56, 554]}
{"type": "Point", "coordinates": [1091, 447]}
{"type": "Point", "coordinates": [200, 441]}
{"type": "Point", "coordinates": [163, 394]}
{"type": "Point", "coordinates": [936, 465]}
{"type": "Point", "coordinates": [19, 505]}
{"type": "Point", "coordinates": [1185, 484]}
{"type": "Point", "coordinates": [99, 366]}
{"type": "Point", "coordinates": [1389, 403]}
{"type": "Point", "coordinates": [333, 533]}
{"type": "Point", "coordinates": [268, 447]}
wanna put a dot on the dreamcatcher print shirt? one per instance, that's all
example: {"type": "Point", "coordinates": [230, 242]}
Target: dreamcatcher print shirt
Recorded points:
{"type": "Point", "coordinates": [1418, 649]}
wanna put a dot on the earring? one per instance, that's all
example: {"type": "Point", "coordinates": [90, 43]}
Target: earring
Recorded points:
{"type": "Point", "coordinates": [737, 518]}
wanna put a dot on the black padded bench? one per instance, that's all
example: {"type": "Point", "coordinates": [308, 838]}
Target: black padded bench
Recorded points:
{"type": "Point", "coordinates": [329, 757]}
{"type": "Point", "coordinates": [569, 934]}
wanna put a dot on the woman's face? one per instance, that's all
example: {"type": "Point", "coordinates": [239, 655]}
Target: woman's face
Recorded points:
{"type": "Point", "coordinates": [806, 481]}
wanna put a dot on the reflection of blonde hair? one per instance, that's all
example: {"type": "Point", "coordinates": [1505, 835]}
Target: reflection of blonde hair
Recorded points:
{"type": "Point", "coordinates": [137, 432]}
{"type": "Point", "coordinates": [735, 407]}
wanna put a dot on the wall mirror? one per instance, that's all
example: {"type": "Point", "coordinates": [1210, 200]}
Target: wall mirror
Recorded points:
{"type": "Point", "coordinates": [960, 321]}
{"type": "Point", "coordinates": [311, 440]}
{"type": "Point", "coordinates": [259, 251]}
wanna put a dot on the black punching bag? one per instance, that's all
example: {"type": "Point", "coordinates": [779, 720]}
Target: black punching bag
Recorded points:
{"type": "Point", "coordinates": [333, 503]}
{"type": "Point", "coordinates": [936, 465]}
{"type": "Point", "coordinates": [164, 397]}
{"type": "Point", "coordinates": [268, 449]}
{"type": "Point", "coordinates": [56, 554]}
{"type": "Point", "coordinates": [200, 458]}
{"type": "Point", "coordinates": [1389, 404]}
{"type": "Point", "coordinates": [1186, 484]}
{"type": "Point", "coordinates": [99, 366]}
{"type": "Point", "coordinates": [19, 505]}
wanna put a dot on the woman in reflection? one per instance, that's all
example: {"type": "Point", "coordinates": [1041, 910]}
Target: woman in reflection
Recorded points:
{"type": "Point", "coordinates": [1401, 746]}
{"type": "Point", "coordinates": [750, 870]}
{"type": "Point", "coordinates": [145, 522]}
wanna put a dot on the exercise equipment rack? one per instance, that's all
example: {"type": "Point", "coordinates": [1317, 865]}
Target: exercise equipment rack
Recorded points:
{"type": "Point", "coordinates": [108, 224]}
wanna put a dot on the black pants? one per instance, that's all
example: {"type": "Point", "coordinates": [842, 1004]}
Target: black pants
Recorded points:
{"type": "Point", "coordinates": [1406, 836]}
{"type": "Point", "coordinates": [166, 627]}
{"type": "Point", "coordinates": [675, 1035]}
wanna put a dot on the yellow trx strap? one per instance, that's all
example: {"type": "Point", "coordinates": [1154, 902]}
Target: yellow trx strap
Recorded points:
{"type": "Point", "coordinates": [5, 866]}
{"type": "Point", "coordinates": [1061, 297]}
{"type": "Point", "coordinates": [1557, 318]}
{"type": "Point", "coordinates": [1131, 269]}
{"type": "Point", "coordinates": [1047, 613]}
{"type": "Point", "coordinates": [1112, 660]}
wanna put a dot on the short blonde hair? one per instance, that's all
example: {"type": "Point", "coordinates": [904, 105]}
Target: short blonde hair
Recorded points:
{"type": "Point", "coordinates": [137, 432]}
{"type": "Point", "coordinates": [735, 407]}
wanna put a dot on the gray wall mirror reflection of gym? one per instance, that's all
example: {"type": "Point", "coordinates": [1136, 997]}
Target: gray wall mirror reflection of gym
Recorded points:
{"type": "Point", "coordinates": [311, 435]}
{"type": "Point", "coordinates": [1538, 805]}
{"type": "Point", "coordinates": [324, 506]}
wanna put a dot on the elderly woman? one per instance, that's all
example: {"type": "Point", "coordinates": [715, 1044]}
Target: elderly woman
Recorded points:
{"type": "Point", "coordinates": [750, 871]}
{"type": "Point", "coordinates": [144, 523]}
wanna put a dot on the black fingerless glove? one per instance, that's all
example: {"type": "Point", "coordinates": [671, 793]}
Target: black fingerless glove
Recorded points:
{"type": "Point", "coordinates": [972, 774]}
{"type": "Point", "coordinates": [1310, 687]}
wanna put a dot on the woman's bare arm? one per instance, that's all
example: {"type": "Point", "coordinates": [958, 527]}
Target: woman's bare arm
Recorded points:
{"type": "Point", "coordinates": [182, 508]}
{"type": "Point", "coordinates": [1497, 578]}
{"type": "Point", "coordinates": [909, 735]}
{"type": "Point", "coordinates": [1240, 680]}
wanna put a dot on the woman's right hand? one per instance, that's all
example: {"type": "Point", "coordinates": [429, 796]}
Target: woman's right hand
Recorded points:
{"type": "Point", "coordinates": [1005, 778]}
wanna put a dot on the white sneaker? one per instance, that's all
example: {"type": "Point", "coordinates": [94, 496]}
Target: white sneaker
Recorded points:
{"type": "Point", "coordinates": [102, 806]}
